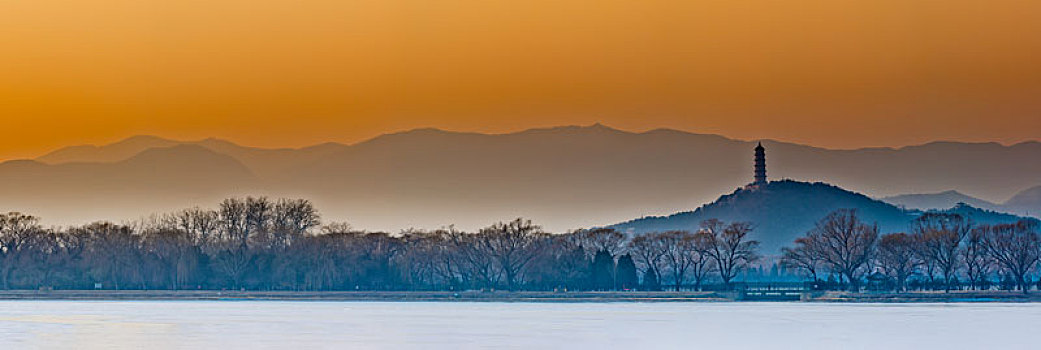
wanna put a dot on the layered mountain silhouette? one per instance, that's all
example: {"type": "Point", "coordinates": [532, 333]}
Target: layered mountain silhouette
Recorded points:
{"type": "Point", "coordinates": [153, 180]}
{"type": "Point", "coordinates": [781, 211]}
{"type": "Point", "coordinates": [564, 177]}
{"type": "Point", "coordinates": [1026, 202]}
{"type": "Point", "coordinates": [941, 200]}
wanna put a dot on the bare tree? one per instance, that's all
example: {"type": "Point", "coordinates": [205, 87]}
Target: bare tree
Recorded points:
{"type": "Point", "coordinates": [45, 256]}
{"type": "Point", "coordinates": [939, 238]}
{"type": "Point", "coordinates": [978, 262]}
{"type": "Point", "coordinates": [318, 262]}
{"type": "Point", "coordinates": [696, 248]}
{"type": "Point", "coordinates": [477, 264]}
{"type": "Point", "coordinates": [803, 257]}
{"type": "Point", "coordinates": [291, 219]}
{"type": "Point", "coordinates": [676, 248]}
{"type": "Point", "coordinates": [607, 239]}
{"type": "Point", "coordinates": [1016, 247]}
{"type": "Point", "coordinates": [379, 249]}
{"type": "Point", "coordinates": [200, 224]}
{"type": "Point", "coordinates": [114, 251]}
{"type": "Point", "coordinates": [513, 245]}
{"type": "Point", "coordinates": [233, 228]}
{"type": "Point", "coordinates": [16, 231]}
{"type": "Point", "coordinates": [335, 227]}
{"type": "Point", "coordinates": [897, 257]}
{"type": "Point", "coordinates": [236, 223]}
{"type": "Point", "coordinates": [729, 247]}
{"type": "Point", "coordinates": [258, 216]}
{"type": "Point", "coordinates": [174, 249]}
{"type": "Point", "coordinates": [648, 251]}
{"type": "Point", "coordinates": [844, 243]}
{"type": "Point", "coordinates": [449, 260]}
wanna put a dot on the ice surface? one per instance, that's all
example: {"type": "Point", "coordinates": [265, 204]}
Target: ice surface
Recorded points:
{"type": "Point", "coordinates": [368, 325]}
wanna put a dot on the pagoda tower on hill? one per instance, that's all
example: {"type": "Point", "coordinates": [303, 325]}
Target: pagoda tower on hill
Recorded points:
{"type": "Point", "coordinates": [760, 165]}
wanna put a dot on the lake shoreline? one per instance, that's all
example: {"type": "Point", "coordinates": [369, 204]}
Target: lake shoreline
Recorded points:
{"type": "Point", "coordinates": [504, 296]}
{"type": "Point", "coordinates": [376, 296]}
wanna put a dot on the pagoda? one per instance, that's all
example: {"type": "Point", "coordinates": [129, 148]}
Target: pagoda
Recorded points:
{"type": "Point", "coordinates": [760, 165]}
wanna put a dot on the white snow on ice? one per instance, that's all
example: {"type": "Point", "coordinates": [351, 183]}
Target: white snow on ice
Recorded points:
{"type": "Point", "coordinates": [368, 325]}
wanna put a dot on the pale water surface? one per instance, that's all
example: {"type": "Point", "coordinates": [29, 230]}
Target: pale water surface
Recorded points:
{"type": "Point", "coordinates": [387, 325]}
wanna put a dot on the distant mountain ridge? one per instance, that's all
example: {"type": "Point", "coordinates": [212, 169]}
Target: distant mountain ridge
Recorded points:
{"type": "Point", "coordinates": [261, 160]}
{"type": "Point", "coordinates": [157, 179]}
{"type": "Point", "coordinates": [110, 153]}
{"type": "Point", "coordinates": [562, 177]}
{"type": "Point", "coordinates": [941, 200]}
{"type": "Point", "coordinates": [1026, 202]}
{"type": "Point", "coordinates": [781, 211]}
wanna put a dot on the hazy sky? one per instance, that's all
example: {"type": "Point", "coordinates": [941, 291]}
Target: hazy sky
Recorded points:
{"type": "Point", "coordinates": [838, 74]}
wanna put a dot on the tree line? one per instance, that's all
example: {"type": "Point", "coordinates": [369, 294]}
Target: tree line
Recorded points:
{"type": "Point", "coordinates": [257, 243]}
{"type": "Point", "coordinates": [942, 251]}
{"type": "Point", "coordinates": [261, 244]}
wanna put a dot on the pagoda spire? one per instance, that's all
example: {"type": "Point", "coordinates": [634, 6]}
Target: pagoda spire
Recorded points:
{"type": "Point", "coordinates": [760, 165]}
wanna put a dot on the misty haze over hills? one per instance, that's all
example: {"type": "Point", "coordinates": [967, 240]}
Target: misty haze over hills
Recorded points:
{"type": "Point", "coordinates": [782, 211]}
{"type": "Point", "coordinates": [1026, 202]}
{"type": "Point", "coordinates": [563, 178]}
{"type": "Point", "coordinates": [941, 200]}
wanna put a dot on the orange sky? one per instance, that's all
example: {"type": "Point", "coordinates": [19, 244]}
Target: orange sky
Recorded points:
{"type": "Point", "coordinates": [830, 73]}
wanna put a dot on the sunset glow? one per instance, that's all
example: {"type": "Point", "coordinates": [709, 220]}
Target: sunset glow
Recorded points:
{"type": "Point", "coordinates": [293, 73]}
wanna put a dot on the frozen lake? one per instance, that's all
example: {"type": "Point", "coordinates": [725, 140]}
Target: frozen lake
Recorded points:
{"type": "Point", "coordinates": [371, 325]}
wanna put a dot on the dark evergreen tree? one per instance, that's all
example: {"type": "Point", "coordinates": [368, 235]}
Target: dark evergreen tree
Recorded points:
{"type": "Point", "coordinates": [650, 280]}
{"type": "Point", "coordinates": [602, 270]}
{"type": "Point", "coordinates": [573, 268]}
{"type": "Point", "coordinates": [625, 273]}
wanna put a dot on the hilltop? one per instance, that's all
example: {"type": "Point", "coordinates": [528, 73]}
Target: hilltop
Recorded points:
{"type": "Point", "coordinates": [784, 210]}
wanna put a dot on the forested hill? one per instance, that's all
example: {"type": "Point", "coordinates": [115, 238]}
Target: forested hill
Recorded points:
{"type": "Point", "coordinates": [784, 210]}
{"type": "Point", "coordinates": [982, 216]}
